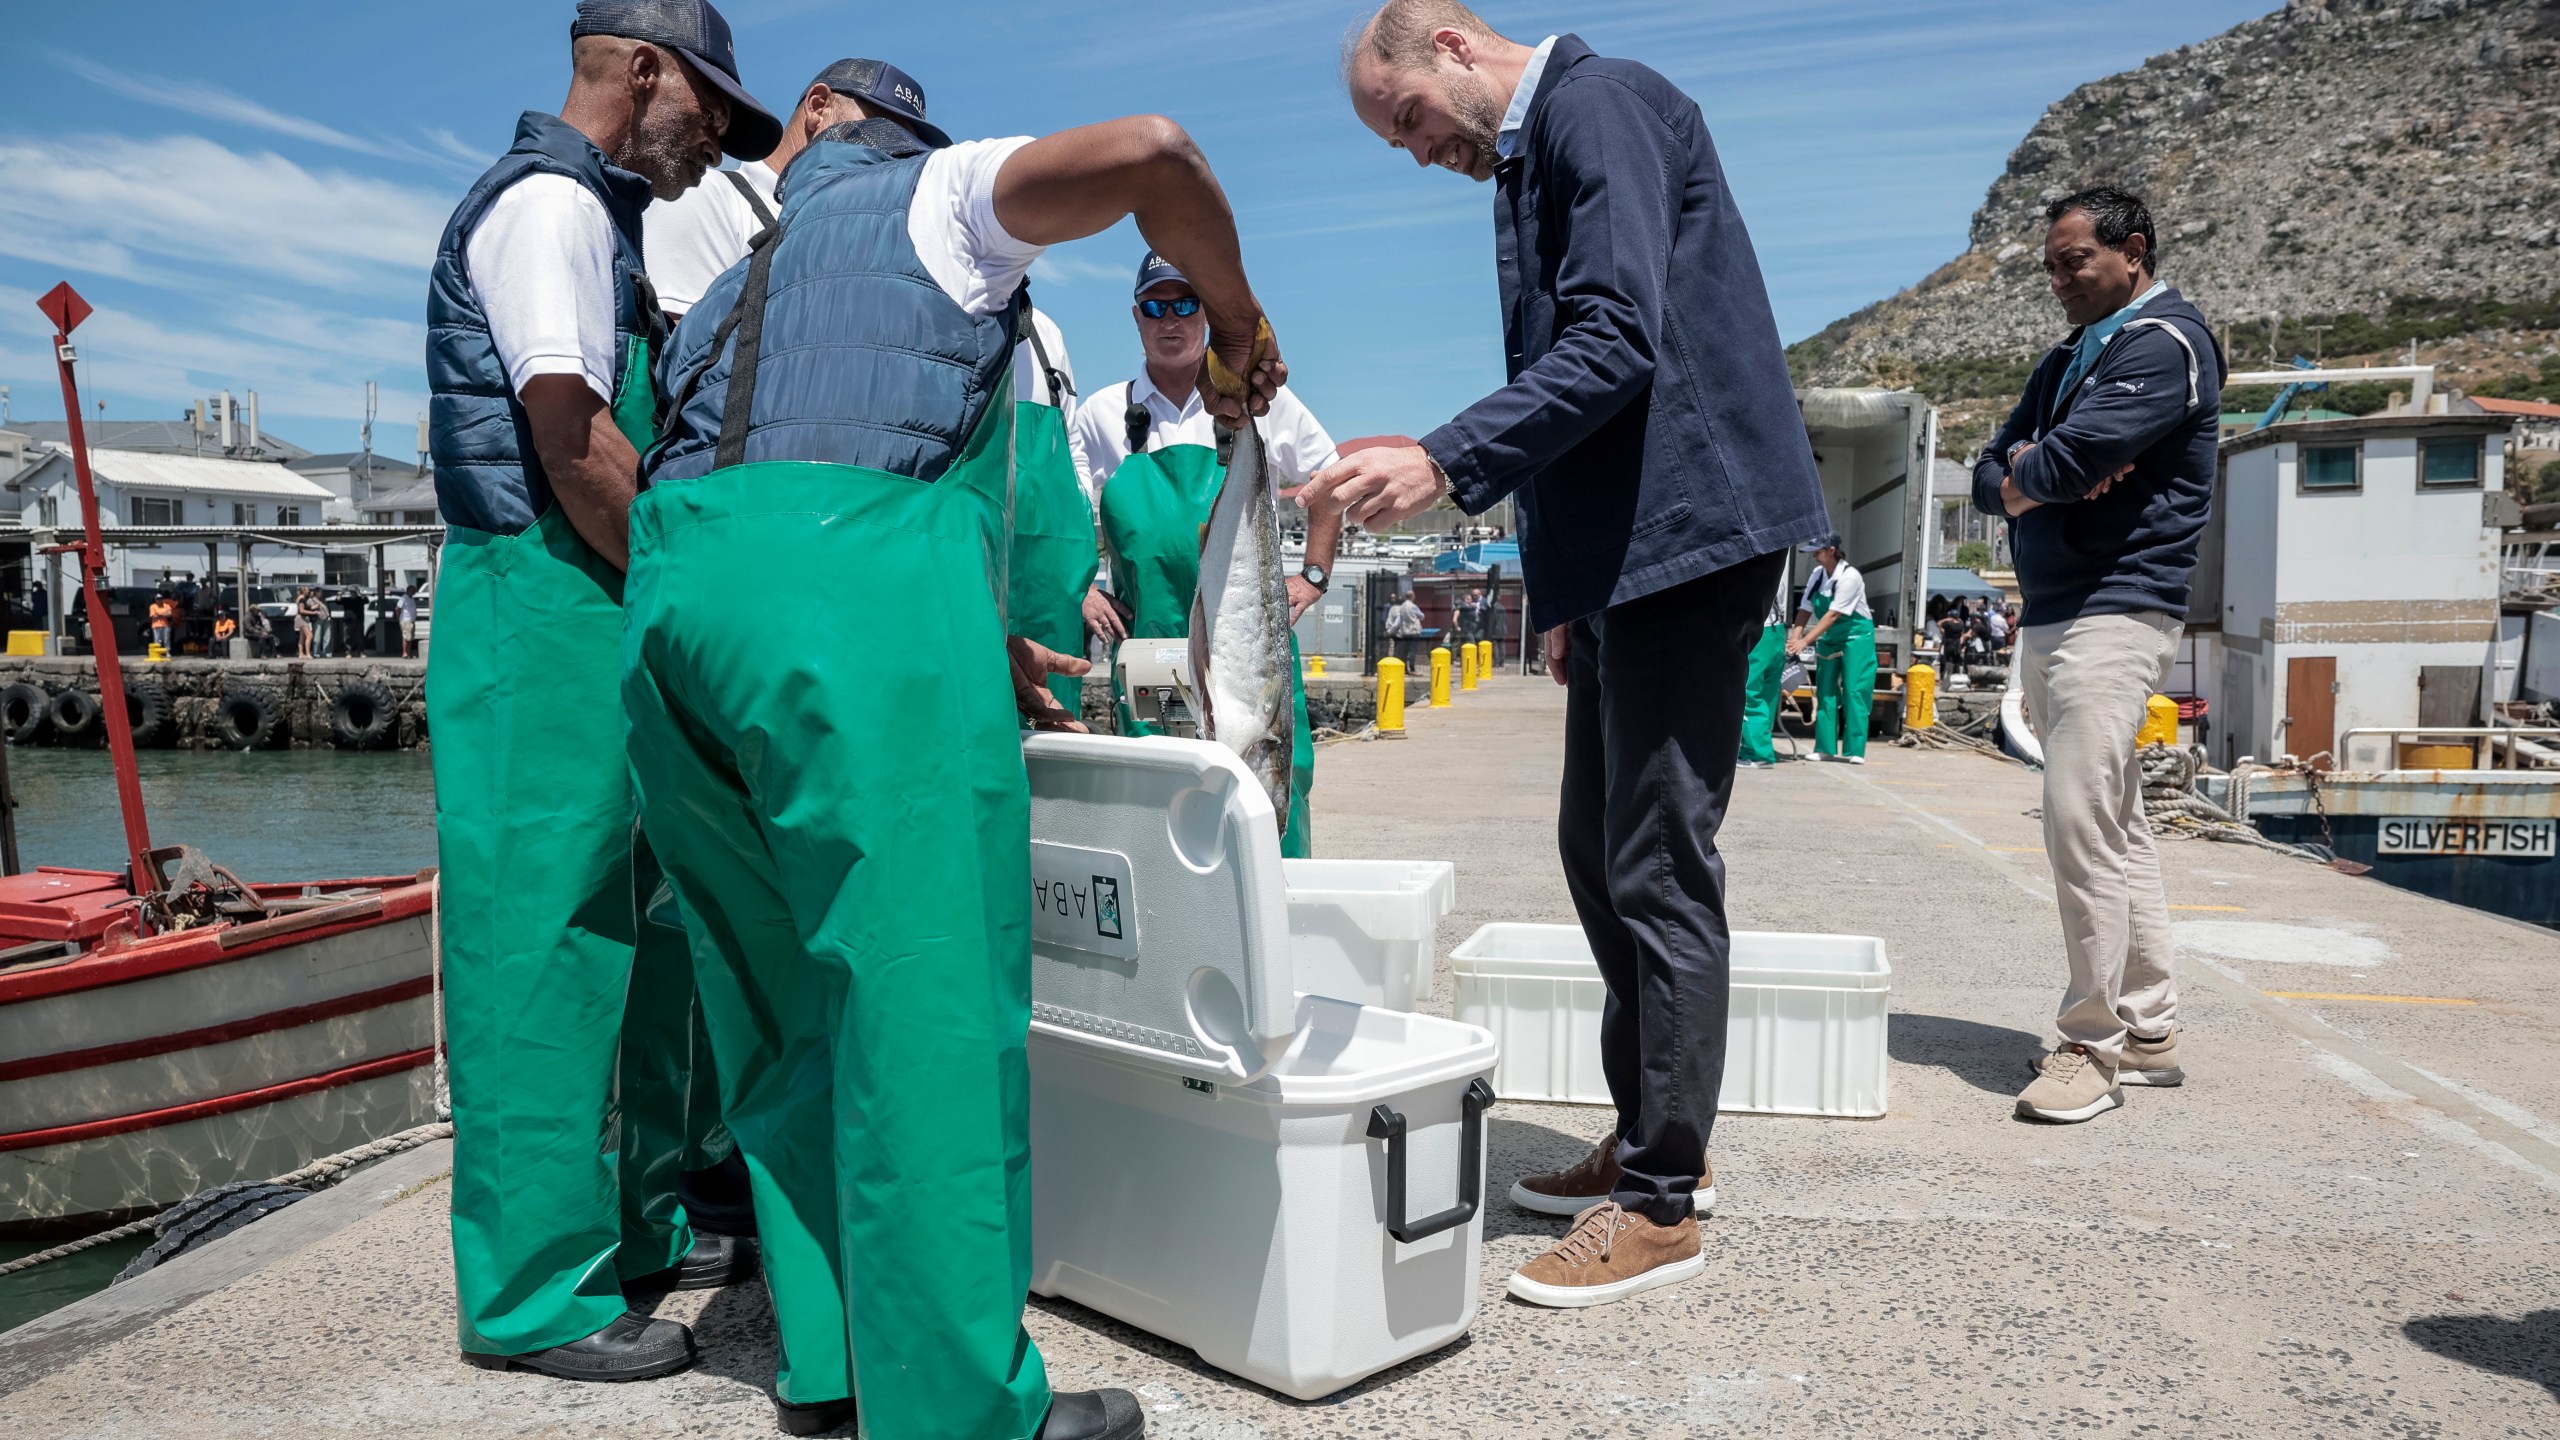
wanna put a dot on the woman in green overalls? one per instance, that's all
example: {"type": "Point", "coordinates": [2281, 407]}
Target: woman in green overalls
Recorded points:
{"type": "Point", "coordinates": [1159, 451]}
{"type": "Point", "coordinates": [1844, 654]}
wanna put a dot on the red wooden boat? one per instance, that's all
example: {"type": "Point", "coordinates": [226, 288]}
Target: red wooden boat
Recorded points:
{"type": "Point", "coordinates": [169, 1027]}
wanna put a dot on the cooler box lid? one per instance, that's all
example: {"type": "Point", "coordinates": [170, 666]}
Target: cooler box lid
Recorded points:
{"type": "Point", "coordinates": [1159, 909]}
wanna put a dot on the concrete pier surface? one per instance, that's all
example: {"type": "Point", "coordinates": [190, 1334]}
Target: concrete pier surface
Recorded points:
{"type": "Point", "coordinates": [2346, 1223]}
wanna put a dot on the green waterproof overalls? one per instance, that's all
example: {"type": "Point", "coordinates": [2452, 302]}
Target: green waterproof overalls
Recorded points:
{"type": "Point", "coordinates": [1054, 560]}
{"type": "Point", "coordinates": [1761, 697]}
{"type": "Point", "coordinates": [845, 816]}
{"type": "Point", "coordinates": [569, 1021]}
{"type": "Point", "coordinates": [1844, 682]}
{"type": "Point", "coordinates": [1152, 509]}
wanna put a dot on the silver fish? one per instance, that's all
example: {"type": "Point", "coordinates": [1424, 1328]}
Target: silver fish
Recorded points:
{"type": "Point", "coordinates": [1240, 623]}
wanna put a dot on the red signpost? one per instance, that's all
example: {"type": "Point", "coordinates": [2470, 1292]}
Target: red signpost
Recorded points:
{"type": "Point", "coordinates": [64, 307]}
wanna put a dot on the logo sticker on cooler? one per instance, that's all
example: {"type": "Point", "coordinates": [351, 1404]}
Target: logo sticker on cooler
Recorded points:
{"type": "Point", "coordinates": [1083, 900]}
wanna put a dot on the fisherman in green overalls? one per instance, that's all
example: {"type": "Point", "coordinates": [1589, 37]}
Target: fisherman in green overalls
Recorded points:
{"type": "Point", "coordinates": [1843, 637]}
{"type": "Point", "coordinates": [1054, 561]}
{"type": "Point", "coordinates": [844, 812]}
{"type": "Point", "coordinates": [1764, 689]}
{"type": "Point", "coordinates": [568, 1019]}
{"type": "Point", "coordinates": [1150, 451]}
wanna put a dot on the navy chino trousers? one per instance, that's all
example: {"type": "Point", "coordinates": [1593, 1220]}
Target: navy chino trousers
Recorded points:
{"type": "Point", "coordinates": [1653, 722]}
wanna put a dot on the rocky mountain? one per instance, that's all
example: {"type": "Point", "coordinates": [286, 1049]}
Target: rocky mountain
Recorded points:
{"type": "Point", "coordinates": [2340, 175]}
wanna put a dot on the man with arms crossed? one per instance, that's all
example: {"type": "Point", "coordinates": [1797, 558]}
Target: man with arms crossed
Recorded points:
{"type": "Point", "coordinates": [2105, 470]}
{"type": "Point", "coordinates": [1650, 439]}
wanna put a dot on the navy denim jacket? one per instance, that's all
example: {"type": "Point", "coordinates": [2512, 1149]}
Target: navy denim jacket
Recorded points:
{"type": "Point", "coordinates": [1649, 433]}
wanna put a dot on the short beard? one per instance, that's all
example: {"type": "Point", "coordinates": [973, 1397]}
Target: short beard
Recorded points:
{"type": "Point", "coordinates": [661, 151]}
{"type": "Point", "coordinates": [1477, 116]}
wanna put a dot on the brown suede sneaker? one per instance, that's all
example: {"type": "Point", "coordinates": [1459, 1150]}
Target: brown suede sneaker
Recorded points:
{"type": "Point", "coordinates": [1589, 1181]}
{"type": "Point", "coordinates": [1608, 1255]}
{"type": "Point", "coordinates": [2151, 1063]}
{"type": "Point", "coordinates": [2072, 1086]}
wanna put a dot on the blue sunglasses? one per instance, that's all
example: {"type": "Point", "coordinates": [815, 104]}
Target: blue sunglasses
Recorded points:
{"type": "Point", "coordinates": [1186, 307]}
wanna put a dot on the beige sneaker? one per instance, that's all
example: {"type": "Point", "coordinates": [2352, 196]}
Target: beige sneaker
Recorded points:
{"type": "Point", "coordinates": [2073, 1086]}
{"type": "Point", "coordinates": [2146, 1062]}
{"type": "Point", "coordinates": [1608, 1255]}
{"type": "Point", "coordinates": [1588, 1182]}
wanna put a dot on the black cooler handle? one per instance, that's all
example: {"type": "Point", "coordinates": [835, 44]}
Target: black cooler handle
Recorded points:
{"type": "Point", "coordinates": [1387, 1125]}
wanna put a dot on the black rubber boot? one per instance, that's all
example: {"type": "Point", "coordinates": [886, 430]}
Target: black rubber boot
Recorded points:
{"type": "Point", "coordinates": [720, 1200]}
{"type": "Point", "coordinates": [714, 1261]}
{"type": "Point", "coordinates": [1093, 1415]}
{"type": "Point", "coordinates": [816, 1418]}
{"type": "Point", "coordinates": [633, 1347]}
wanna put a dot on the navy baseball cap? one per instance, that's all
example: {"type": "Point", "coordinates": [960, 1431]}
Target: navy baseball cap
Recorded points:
{"type": "Point", "coordinates": [886, 89]}
{"type": "Point", "coordinates": [1154, 271]}
{"type": "Point", "coordinates": [695, 31]}
{"type": "Point", "coordinates": [1821, 543]}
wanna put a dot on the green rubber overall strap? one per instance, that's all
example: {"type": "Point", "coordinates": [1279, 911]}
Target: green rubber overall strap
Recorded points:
{"type": "Point", "coordinates": [748, 317]}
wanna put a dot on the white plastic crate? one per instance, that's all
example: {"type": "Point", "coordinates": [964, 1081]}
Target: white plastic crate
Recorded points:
{"type": "Point", "coordinates": [1806, 1033]}
{"type": "Point", "coordinates": [1257, 1223]}
{"type": "Point", "coordinates": [1368, 931]}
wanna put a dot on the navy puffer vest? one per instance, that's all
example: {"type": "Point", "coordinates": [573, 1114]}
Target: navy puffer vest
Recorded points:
{"type": "Point", "coordinates": [865, 360]}
{"type": "Point", "coordinates": [487, 475]}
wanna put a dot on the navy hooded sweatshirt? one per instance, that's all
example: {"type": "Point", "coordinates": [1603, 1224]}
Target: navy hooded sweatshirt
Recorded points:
{"type": "Point", "coordinates": [2154, 398]}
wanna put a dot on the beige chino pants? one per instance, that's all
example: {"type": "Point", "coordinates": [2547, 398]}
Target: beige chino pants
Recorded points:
{"type": "Point", "coordinates": [2086, 683]}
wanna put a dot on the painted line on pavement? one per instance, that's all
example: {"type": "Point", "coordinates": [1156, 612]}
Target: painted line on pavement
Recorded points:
{"type": "Point", "coordinates": [2016, 849]}
{"type": "Point", "coordinates": [2376, 999]}
{"type": "Point", "coordinates": [2438, 1109]}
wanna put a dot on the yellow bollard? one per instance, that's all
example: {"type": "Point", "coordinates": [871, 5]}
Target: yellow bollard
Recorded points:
{"type": "Point", "coordinates": [1484, 660]}
{"type": "Point", "coordinates": [154, 653]}
{"type": "Point", "coordinates": [1391, 699]}
{"type": "Point", "coordinates": [1315, 667]}
{"type": "Point", "coordinates": [1467, 666]}
{"type": "Point", "coordinates": [1920, 703]}
{"type": "Point", "coordinates": [2159, 722]}
{"type": "Point", "coordinates": [1439, 677]}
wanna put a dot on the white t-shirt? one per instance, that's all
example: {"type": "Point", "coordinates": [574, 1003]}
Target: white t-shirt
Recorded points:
{"type": "Point", "coordinates": [541, 266]}
{"type": "Point", "coordinates": [689, 240]}
{"type": "Point", "coordinates": [1099, 434]}
{"type": "Point", "coordinates": [1030, 382]}
{"type": "Point", "coordinates": [1846, 587]}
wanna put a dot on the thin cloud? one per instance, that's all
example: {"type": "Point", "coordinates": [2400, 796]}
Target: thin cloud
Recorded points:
{"type": "Point", "coordinates": [164, 211]}
{"type": "Point", "coordinates": [215, 103]}
{"type": "Point", "coordinates": [1054, 268]}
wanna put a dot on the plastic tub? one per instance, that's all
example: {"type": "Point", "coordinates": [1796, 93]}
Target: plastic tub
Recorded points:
{"type": "Point", "coordinates": [1368, 931]}
{"type": "Point", "coordinates": [1258, 1223]}
{"type": "Point", "coordinates": [1805, 1034]}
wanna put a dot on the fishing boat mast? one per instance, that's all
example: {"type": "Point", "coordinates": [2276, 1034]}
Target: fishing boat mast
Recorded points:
{"type": "Point", "coordinates": [64, 307]}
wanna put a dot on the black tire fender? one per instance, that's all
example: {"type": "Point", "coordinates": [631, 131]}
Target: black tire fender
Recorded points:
{"type": "Point", "coordinates": [25, 712]}
{"type": "Point", "coordinates": [364, 715]}
{"type": "Point", "coordinates": [243, 719]}
{"type": "Point", "coordinates": [146, 704]}
{"type": "Point", "coordinates": [75, 715]}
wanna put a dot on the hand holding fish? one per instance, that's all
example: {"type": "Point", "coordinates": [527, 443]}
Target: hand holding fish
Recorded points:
{"type": "Point", "coordinates": [1033, 664]}
{"type": "Point", "coordinates": [1376, 487]}
{"type": "Point", "coordinates": [1242, 370]}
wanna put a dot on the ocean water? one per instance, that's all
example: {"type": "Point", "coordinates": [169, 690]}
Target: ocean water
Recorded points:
{"type": "Point", "coordinates": [267, 815]}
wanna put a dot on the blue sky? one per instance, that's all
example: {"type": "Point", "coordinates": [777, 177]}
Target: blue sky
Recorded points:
{"type": "Point", "coordinates": [251, 194]}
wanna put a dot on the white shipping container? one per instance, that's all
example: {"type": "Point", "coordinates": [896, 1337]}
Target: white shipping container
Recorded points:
{"type": "Point", "coordinates": [1805, 1033]}
{"type": "Point", "coordinates": [1260, 1223]}
{"type": "Point", "coordinates": [1368, 931]}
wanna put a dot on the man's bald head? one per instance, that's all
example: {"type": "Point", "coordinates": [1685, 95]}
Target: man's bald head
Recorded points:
{"type": "Point", "coordinates": [1399, 33]}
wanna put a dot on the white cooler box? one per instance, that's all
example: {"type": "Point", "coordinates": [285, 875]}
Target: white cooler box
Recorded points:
{"type": "Point", "coordinates": [1368, 931]}
{"type": "Point", "coordinates": [1806, 1034]}
{"type": "Point", "coordinates": [1303, 1230]}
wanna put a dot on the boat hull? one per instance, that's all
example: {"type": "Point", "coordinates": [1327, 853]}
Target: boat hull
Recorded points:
{"type": "Point", "coordinates": [132, 1079]}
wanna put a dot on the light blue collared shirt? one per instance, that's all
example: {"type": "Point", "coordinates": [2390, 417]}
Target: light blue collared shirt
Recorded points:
{"type": "Point", "coordinates": [2084, 356]}
{"type": "Point", "coordinates": [1507, 144]}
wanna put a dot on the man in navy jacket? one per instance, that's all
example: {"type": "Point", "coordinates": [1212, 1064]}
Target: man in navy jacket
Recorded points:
{"type": "Point", "coordinates": [1650, 441]}
{"type": "Point", "coordinates": [2105, 470]}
